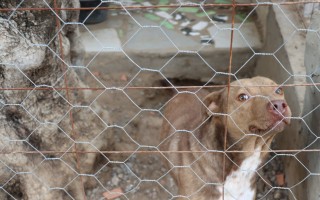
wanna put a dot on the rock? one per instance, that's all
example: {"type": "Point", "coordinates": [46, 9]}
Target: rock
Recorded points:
{"type": "Point", "coordinates": [115, 180]}
{"type": "Point", "coordinates": [277, 195]}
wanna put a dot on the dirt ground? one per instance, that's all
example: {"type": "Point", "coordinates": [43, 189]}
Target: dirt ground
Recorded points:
{"type": "Point", "coordinates": [135, 126]}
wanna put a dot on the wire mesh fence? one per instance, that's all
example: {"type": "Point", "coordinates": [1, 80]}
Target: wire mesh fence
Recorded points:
{"type": "Point", "coordinates": [84, 106]}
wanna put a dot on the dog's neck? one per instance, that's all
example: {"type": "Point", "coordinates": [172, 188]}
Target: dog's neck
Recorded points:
{"type": "Point", "coordinates": [238, 149]}
{"type": "Point", "coordinates": [244, 156]}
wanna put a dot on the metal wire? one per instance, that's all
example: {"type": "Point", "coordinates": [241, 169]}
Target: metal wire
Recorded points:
{"type": "Point", "coordinates": [121, 6]}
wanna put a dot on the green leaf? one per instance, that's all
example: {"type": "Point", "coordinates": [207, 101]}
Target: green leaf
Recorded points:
{"type": "Point", "coordinates": [189, 9]}
{"type": "Point", "coordinates": [168, 25]}
{"type": "Point", "coordinates": [152, 17]}
{"type": "Point", "coordinates": [241, 16]}
{"type": "Point", "coordinates": [164, 9]}
{"type": "Point", "coordinates": [120, 33]}
{"type": "Point", "coordinates": [223, 1]}
{"type": "Point", "coordinates": [163, 2]}
{"type": "Point", "coordinates": [203, 14]}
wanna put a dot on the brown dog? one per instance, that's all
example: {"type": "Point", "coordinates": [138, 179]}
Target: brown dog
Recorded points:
{"type": "Point", "coordinates": [244, 123]}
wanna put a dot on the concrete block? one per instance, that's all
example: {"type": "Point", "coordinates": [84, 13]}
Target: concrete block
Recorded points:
{"type": "Point", "coordinates": [108, 40]}
{"type": "Point", "coordinates": [312, 64]}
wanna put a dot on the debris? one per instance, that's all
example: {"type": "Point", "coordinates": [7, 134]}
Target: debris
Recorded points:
{"type": "Point", "coordinates": [178, 16]}
{"type": "Point", "coordinates": [189, 9]}
{"type": "Point", "coordinates": [199, 26]}
{"type": "Point", "coordinates": [192, 33]}
{"type": "Point", "coordinates": [163, 14]}
{"type": "Point", "coordinates": [168, 25]}
{"type": "Point", "coordinates": [206, 40]}
{"type": "Point", "coordinates": [152, 17]}
{"type": "Point", "coordinates": [172, 22]}
{"type": "Point", "coordinates": [183, 24]}
{"type": "Point", "coordinates": [280, 179]}
{"type": "Point", "coordinates": [186, 30]}
{"type": "Point", "coordinates": [220, 18]}
{"type": "Point", "coordinates": [112, 194]}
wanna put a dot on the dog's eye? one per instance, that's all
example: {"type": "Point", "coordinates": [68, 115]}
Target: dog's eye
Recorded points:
{"type": "Point", "coordinates": [243, 97]}
{"type": "Point", "coordinates": [279, 91]}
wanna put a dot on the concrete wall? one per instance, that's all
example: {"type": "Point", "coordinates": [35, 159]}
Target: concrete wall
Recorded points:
{"type": "Point", "coordinates": [312, 100]}
{"type": "Point", "coordinates": [285, 62]}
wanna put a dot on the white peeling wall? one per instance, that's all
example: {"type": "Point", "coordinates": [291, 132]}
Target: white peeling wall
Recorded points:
{"type": "Point", "coordinates": [312, 64]}
{"type": "Point", "coordinates": [290, 71]}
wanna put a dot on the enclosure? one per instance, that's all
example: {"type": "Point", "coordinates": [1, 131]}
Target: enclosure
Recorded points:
{"type": "Point", "coordinates": [82, 103]}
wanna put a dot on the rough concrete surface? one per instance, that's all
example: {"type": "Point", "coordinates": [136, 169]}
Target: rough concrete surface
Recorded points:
{"type": "Point", "coordinates": [312, 100]}
{"type": "Point", "coordinates": [150, 44]}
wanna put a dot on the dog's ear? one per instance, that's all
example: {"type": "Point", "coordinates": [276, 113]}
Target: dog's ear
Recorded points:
{"type": "Point", "coordinates": [214, 102]}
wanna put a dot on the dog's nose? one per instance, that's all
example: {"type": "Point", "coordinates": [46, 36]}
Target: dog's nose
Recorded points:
{"type": "Point", "coordinates": [277, 106]}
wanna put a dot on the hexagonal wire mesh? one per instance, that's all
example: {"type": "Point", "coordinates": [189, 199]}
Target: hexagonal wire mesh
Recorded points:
{"type": "Point", "coordinates": [137, 63]}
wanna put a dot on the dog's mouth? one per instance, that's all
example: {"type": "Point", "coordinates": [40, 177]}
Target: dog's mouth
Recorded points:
{"type": "Point", "coordinates": [276, 126]}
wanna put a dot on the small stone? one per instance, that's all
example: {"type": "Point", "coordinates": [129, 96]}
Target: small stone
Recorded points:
{"type": "Point", "coordinates": [115, 180]}
{"type": "Point", "coordinates": [277, 195]}
{"type": "Point", "coordinates": [128, 188]}
{"type": "Point", "coordinates": [259, 196]}
{"type": "Point", "coordinates": [273, 179]}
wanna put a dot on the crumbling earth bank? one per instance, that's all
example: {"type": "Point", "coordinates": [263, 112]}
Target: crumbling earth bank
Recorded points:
{"type": "Point", "coordinates": [35, 128]}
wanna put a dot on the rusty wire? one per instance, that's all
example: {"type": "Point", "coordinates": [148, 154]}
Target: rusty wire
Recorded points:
{"type": "Point", "coordinates": [73, 132]}
{"type": "Point", "coordinates": [67, 89]}
{"type": "Point", "coordinates": [161, 6]}
{"type": "Point", "coordinates": [156, 152]}
{"type": "Point", "coordinates": [157, 87]}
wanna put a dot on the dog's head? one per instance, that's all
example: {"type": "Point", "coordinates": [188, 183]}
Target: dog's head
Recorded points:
{"type": "Point", "coordinates": [256, 105]}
